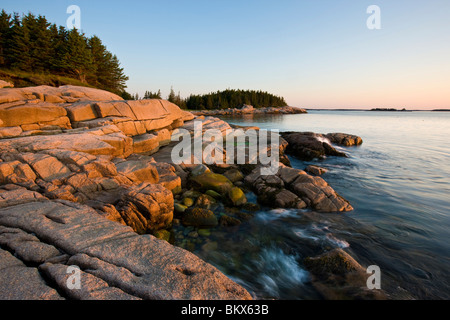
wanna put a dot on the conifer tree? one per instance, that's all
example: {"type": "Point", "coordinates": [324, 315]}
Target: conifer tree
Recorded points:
{"type": "Point", "coordinates": [19, 52]}
{"type": "Point", "coordinates": [77, 60]}
{"type": "Point", "coordinates": [5, 36]}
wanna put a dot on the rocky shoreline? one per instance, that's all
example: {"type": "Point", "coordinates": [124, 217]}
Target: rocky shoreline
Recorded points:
{"type": "Point", "coordinates": [87, 180]}
{"type": "Point", "coordinates": [249, 110]}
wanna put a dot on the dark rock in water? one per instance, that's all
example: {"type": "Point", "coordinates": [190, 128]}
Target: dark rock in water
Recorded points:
{"type": "Point", "coordinates": [334, 262]}
{"type": "Point", "coordinates": [205, 201]}
{"type": "Point", "coordinates": [234, 175]}
{"type": "Point", "coordinates": [228, 221]}
{"type": "Point", "coordinates": [199, 217]}
{"type": "Point", "coordinates": [344, 139]}
{"type": "Point", "coordinates": [337, 276]}
{"type": "Point", "coordinates": [163, 235]}
{"type": "Point", "coordinates": [308, 146]}
{"type": "Point", "coordinates": [293, 188]}
{"type": "Point", "coordinates": [315, 170]}
{"type": "Point", "coordinates": [237, 196]}
{"type": "Point", "coordinates": [252, 207]}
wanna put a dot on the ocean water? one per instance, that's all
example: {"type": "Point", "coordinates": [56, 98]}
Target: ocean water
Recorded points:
{"type": "Point", "coordinates": [398, 181]}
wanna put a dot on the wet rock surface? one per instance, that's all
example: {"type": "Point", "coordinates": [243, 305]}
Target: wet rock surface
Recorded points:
{"type": "Point", "coordinates": [87, 179]}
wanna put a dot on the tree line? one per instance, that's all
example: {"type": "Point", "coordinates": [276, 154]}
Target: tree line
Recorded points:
{"type": "Point", "coordinates": [220, 99]}
{"type": "Point", "coordinates": [234, 99]}
{"type": "Point", "coordinates": [30, 43]}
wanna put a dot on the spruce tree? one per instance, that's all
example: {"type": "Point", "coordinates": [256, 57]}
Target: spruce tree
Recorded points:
{"type": "Point", "coordinates": [41, 49]}
{"type": "Point", "coordinates": [5, 37]}
{"type": "Point", "coordinates": [77, 60]}
{"type": "Point", "coordinates": [19, 53]}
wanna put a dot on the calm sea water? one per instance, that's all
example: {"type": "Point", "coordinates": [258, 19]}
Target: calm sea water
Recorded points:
{"type": "Point", "coordinates": [398, 181]}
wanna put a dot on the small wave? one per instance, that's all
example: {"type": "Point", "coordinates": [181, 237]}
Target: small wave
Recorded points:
{"type": "Point", "coordinates": [338, 242]}
{"type": "Point", "coordinates": [305, 235]}
{"type": "Point", "coordinates": [320, 234]}
{"type": "Point", "coordinates": [323, 140]}
{"type": "Point", "coordinates": [277, 214]}
{"type": "Point", "coordinates": [279, 271]}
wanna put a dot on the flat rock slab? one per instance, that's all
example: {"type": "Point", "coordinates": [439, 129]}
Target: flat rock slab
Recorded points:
{"type": "Point", "coordinates": [102, 141]}
{"type": "Point", "coordinates": [110, 255]}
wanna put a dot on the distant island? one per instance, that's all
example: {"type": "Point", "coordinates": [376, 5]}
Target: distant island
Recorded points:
{"type": "Point", "coordinates": [446, 110]}
{"type": "Point", "coordinates": [390, 109]}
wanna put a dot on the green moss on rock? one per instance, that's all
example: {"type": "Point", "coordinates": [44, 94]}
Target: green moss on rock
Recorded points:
{"type": "Point", "coordinates": [212, 181]}
{"type": "Point", "coordinates": [237, 196]}
{"type": "Point", "coordinates": [199, 217]}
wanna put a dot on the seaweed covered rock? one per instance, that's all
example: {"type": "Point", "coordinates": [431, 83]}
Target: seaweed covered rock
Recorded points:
{"type": "Point", "coordinates": [237, 197]}
{"type": "Point", "coordinates": [199, 217]}
{"type": "Point", "coordinates": [337, 276]}
{"type": "Point", "coordinates": [212, 181]}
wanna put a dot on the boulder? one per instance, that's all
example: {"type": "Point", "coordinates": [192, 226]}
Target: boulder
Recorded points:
{"type": "Point", "coordinates": [152, 204]}
{"type": "Point", "coordinates": [199, 217]}
{"type": "Point", "coordinates": [237, 197]}
{"type": "Point", "coordinates": [308, 146]}
{"type": "Point", "coordinates": [212, 181]}
{"type": "Point", "coordinates": [234, 175]}
{"type": "Point", "coordinates": [338, 276]}
{"type": "Point", "coordinates": [293, 188]}
{"type": "Point", "coordinates": [204, 201]}
{"type": "Point", "coordinates": [247, 109]}
{"type": "Point", "coordinates": [227, 221]}
{"type": "Point", "coordinates": [316, 170]}
{"type": "Point", "coordinates": [199, 169]}
{"type": "Point", "coordinates": [344, 139]}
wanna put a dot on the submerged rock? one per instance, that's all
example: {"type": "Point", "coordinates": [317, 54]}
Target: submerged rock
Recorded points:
{"type": "Point", "coordinates": [337, 275]}
{"type": "Point", "coordinates": [199, 217]}
{"type": "Point", "coordinates": [228, 221]}
{"type": "Point", "coordinates": [205, 201]}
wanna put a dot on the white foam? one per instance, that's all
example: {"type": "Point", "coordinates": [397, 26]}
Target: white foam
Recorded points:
{"type": "Point", "coordinates": [279, 270]}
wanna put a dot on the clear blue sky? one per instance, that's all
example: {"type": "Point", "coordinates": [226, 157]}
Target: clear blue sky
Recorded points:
{"type": "Point", "coordinates": [315, 53]}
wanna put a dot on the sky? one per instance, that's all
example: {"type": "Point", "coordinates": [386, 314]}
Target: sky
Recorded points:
{"type": "Point", "coordinates": [314, 53]}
